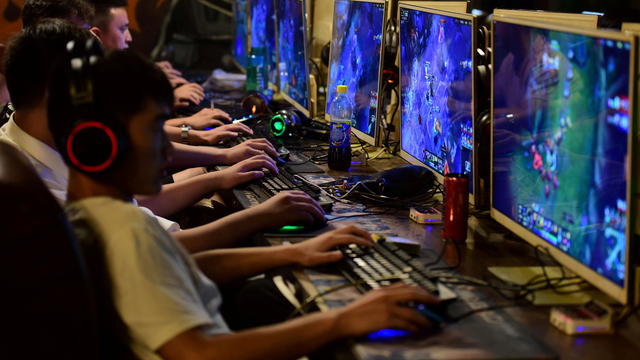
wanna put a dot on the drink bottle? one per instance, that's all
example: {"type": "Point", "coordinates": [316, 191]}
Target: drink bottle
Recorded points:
{"type": "Point", "coordinates": [341, 113]}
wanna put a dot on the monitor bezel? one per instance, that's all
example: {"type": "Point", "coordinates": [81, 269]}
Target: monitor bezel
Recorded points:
{"type": "Point", "coordinates": [246, 40]}
{"type": "Point", "coordinates": [620, 294]}
{"type": "Point", "coordinates": [270, 85]}
{"type": "Point", "coordinates": [285, 96]}
{"type": "Point", "coordinates": [361, 135]}
{"type": "Point", "coordinates": [474, 26]}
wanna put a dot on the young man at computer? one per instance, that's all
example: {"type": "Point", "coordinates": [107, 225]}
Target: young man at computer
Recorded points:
{"type": "Point", "coordinates": [111, 25]}
{"type": "Point", "coordinates": [29, 61]}
{"type": "Point", "coordinates": [169, 302]}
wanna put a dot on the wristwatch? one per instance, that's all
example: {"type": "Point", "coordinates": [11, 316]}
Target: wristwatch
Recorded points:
{"type": "Point", "coordinates": [184, 133]}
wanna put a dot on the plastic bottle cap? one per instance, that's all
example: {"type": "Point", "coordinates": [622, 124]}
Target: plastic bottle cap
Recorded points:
{"type": "Point", "coordinates": [342, 89]}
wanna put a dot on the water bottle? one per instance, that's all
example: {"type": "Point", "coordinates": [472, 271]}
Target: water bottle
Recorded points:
{"type": "Point", "coordinates": [341, 112]}
{"type": "Point", "coordinates": [257, 71]}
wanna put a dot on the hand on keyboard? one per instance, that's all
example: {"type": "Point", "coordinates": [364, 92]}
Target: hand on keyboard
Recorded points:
{"type": "Point", "coordinates": [321, 249]}
{"type": "Point", "coordinates": [207, 118]}
{"type": "Point", "coordinates": [219, 134]}
{"type": "Point", "coordinates": [385, 308]}
{"type": "Point", "coordinates": [246, 170]}
{"type": "Point", "coordinates": [250, 148]}
{"type": "Point", "coordinates": [188, 93]}
{"type": "Point", "coordinates": [289, 207]}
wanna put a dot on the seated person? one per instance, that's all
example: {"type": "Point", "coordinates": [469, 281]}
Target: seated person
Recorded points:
{"type": "Point", "coordinates": [29, 64]}
{"type": "Point", "coordinates": [111, 26]}
{"type": "Point", "coordinates": [169, 302]}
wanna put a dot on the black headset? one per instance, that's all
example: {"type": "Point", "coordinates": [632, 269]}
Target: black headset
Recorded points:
{"type": "Point", "coordinates": [94, 141]}
{"type": "Point", "coordinates": [286, 123]}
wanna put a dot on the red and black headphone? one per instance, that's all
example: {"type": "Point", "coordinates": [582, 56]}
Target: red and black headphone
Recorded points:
{"type": "Point", "coordinates": [94, 141]}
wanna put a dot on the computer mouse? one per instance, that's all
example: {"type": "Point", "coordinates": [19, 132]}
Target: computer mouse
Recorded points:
{"type": "Point", "coordinates": [280, 161]}
{"type": "Point", "coordinates": [302, 227]}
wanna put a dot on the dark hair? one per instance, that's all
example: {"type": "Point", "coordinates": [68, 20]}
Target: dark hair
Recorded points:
{"type": "Point", "coordinates": [102, 8]}
{"type": "Point", "coordinates": [38, 10]}
{"type": "Point", "coordinates": [122, 83]}
{"type": "Point", "coordinates": [30, 58]}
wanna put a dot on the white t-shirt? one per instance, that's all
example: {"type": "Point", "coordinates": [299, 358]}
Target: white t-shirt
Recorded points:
{"type": "Point", "coordinates": [51, 167]}
{"type": "Point", "coordinates": [158, 290]}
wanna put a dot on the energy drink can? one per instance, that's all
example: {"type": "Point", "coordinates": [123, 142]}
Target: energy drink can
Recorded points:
{"type": "Point", "coordinates": [456, 207]}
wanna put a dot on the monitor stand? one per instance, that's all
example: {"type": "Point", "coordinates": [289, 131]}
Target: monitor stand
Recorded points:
{"type": "Point", "coordinates": [523, 274]}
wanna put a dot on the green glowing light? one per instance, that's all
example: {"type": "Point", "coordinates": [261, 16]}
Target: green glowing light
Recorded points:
{"type": "Point", "coordinates": [278, 125]}
{"type": "Point", "coordinates": [291, 227]}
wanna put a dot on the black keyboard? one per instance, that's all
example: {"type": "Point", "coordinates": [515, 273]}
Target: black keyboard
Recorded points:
{"type": "Point", "coordinates": [235, 111]}
{"type": "Point", "coordinates": [261, 190]}
{"type": "Point", "coordinates": [385, 263]}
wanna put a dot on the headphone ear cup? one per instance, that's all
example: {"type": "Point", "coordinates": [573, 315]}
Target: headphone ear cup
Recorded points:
{"type": "Point", "coordinates": [285, 123]}
{"type": "Point", "coordinates": [92, 146]}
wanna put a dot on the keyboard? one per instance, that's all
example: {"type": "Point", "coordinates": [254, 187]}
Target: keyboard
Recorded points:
{"type": "Point", "coordinates": [235, 111]}
{"type": "Point", "coordinates": [384, 263]}
{"type": "Point", "coordinates": [263, 189]}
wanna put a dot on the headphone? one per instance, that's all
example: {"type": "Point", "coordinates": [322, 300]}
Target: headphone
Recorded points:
{"type": "Point", "coordinates": [256, 103]}
{"type": "Point", "coordinates": [94, 143]}
{"type": "Point", "coordinates": [286, 123]}
{"type": "Point", "coordinates": [289, 123]}
{"type": "Point", "coordinates": [391, 42]}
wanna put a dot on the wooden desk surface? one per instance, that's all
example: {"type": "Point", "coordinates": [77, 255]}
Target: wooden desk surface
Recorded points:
{"type": "Point", "coordinates": [478, 254]}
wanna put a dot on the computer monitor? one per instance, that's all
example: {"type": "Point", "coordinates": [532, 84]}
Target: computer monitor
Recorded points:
{"type": "Point", "coordinates": [240, 47]}
{"type": "Point", "coordinates": [562, 145]}
{"type": "Point", "coordinates": [437, 102]}
{"type": "Point", "coordinates": [355, 61]}
{"type": "Point", "coordinates": [292, 53]}
{"type": "Point", "coordinates": [262, 31]}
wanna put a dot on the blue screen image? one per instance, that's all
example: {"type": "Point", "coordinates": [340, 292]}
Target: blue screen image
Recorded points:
{"type": "Point", "coordinates": [436, 79]}
{"type": "Point", "coordinates": [291, 49]}
{"type": "Point", "coordinates": [355, 59]}
{"type": "Point", "coordinates": [240, 52]}
{"type": "Point", "coordinates": [560, 136]}
{"type": "Point", "coordinates": [263, 33]}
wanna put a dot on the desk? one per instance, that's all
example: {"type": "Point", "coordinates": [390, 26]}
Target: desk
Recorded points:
{"type": "Point", "coordinates": [476, 255]}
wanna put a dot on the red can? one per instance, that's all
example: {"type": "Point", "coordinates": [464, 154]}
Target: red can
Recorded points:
{"type": "Point", "coordinates": [456, 207]}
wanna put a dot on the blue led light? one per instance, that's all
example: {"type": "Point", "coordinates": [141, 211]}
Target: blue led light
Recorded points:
{"type": "Point", "coordinates": [386, 334]}
{"type": "Point", "coordinates": [580, 328]}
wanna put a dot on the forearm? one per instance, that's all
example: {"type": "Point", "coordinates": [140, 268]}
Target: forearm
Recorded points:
{"type": "Point", "coordinates": [225, 232]}
{"type": "Point", "coordinates": [190, 156]}
{"type": "Point", "coordinates": [228, 265]}
{"type": "Point", "coordinates": [176, 122]}
{"type": "Point", "coordinates": [177, 196]}
{"type": "Point", "coordinates": [173, 132]}
{"type": "Point", "coordinates": [288, 340]}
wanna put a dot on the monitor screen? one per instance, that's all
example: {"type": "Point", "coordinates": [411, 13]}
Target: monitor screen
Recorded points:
{"type": "Point", "coordinates": [263, 34]}
{"type": "Point", "coordinates": [240, 51]}
{"type": "Point", "coordinates": [356, 46]}
{"type": "Point", "coordinates": [292, 51]}
{"type": "Point", "coordinates": [436, 79]}
{"type": "Point", "coordinates": [560, 141]}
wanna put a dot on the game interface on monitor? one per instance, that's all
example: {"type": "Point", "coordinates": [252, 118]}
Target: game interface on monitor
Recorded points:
{"type": "Point", "coordinates": [356, 46]}
{"type": "Point", "coordinates": [436, 78]}
{"type": "Point", "coordinates": [263, 33]}
{"type": "Point", "coordinates": [291, 48]}
{"type": "Point", "coordinates": [560, 136]}
{"type": "Point", "coordinates": [240, 52]}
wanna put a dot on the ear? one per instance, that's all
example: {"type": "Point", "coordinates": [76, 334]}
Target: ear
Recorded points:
{"type": "Point", "coordinates": [95, 31]}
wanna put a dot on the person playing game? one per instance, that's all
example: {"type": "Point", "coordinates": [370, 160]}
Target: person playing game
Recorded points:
{"type": "Point", "coordinates": [169, 302]}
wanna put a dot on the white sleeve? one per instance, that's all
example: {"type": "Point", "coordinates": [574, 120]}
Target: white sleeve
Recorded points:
{"type": "Point", "coordinates": [153, 287]}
